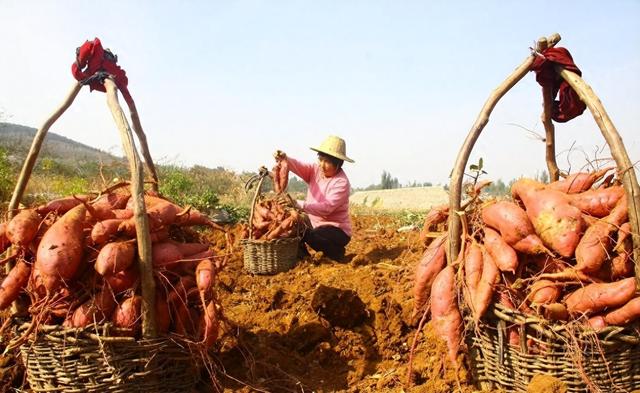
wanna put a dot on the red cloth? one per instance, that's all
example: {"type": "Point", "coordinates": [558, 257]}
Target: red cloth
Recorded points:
{"type": "Point", "coordinates": [569, 105]}
{"type": "Point", "coordinates": [92, 56]}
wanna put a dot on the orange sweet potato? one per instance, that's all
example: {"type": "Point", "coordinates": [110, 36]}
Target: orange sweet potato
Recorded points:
{"type": "Point", "coordinates": [625, 314]}
{"type": "Point", "coordinates": [486, 286]}
{"type": "Point", "coordinates": [594, 298]}
{"type": "Point", "coordinates": [473, 265]}
{"type": "Point", "coordinates": [4, 240]}
{"type": "Point", "coordinates": [13, 283]}
{"type": "Point", "coordinates": [559, 224]}
{"type": "Point", "coordinates": [544, 292]}
{"type": "Point", "coordinates": [432, 262]}
{"type": "Point", "coordinates": [447, 321]}
{"type": "Point", "coordinates": [595, 246]}
{"type": "Point", "coordinates": [61, 249]}
{"type": "Point", "coordinates": [123, 280]}
{"type": "Point", "coordinates": [578, 182]}
{"type": "Point", "coordinates": [598, 202]}
{"type": "Point", "coordinates": [97, 309]}
{"type": "Point", "coordinates": [62, 205]}
{"type": "Point", "coordinates": [209, 325]}
{"type": "Point", "coordinates": [514, 227]}
{"type": "Point", "coordinates": [115, 257]}
{"type": "Point", "coordinates": [22, 228]}
{"type": "Point", "coordinates": [503, 255]}
{"type": "Point", "coordinates": [103, 230]}
{"type": "Point", "coordinates": [128, 313]}
{"type": "Point", "coordinates": [436, 215]}
{"type": "Point", "coordinates": [163, 317]}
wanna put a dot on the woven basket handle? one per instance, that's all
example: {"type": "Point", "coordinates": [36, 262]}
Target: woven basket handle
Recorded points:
{"type": "Point", "coordinates": [262, 173]}
{"type": "Point", "coordinates": [611, 135]}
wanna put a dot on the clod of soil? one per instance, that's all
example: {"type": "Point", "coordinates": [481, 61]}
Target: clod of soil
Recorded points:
{"type": "Point", "coordinates": [542, 383]}
{"type": "Point", "coordinates": [341, 307]}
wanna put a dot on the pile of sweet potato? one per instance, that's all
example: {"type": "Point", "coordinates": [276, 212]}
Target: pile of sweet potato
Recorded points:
{"type": "Point", "coordinates": [275, 217]}
{"type": "Point", "coordinates": [76, 259]}
{"type": "Point", "coordinates": [560, 251]}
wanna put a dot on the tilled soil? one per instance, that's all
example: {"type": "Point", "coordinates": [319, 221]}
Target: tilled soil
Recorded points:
{"type": "Point", "coordinates": [328, 326]}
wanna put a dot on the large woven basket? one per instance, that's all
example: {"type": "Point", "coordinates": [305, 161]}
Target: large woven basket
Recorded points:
{"type": "Point", "coordinates": [586, 361]}
{"type": "Point", "coordinates": [270, 256]}
{"type": "Point", "coordinates": [94, 360]}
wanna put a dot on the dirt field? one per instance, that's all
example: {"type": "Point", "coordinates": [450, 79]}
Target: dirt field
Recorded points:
{"type": "Point", "coordinates": [276, 342]}
{"type": "Point", "coordinates": [410, 198]}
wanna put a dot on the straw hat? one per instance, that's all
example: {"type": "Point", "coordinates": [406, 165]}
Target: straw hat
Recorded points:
{"type": "Point", "coordinates": [335, 147]}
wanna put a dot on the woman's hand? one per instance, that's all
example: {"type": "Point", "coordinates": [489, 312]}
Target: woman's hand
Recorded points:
{"type": "Point", "coordinates": [279, 155]}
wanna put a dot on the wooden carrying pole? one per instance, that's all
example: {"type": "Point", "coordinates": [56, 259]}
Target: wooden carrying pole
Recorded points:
{"type": "Point", "coordinates": [463, 156]}
{"type": "Point", "coordinates": [140, 214]}
{"type": "Point", "coordinates": [619, 153]}
{"type": "Point", "coordinates": [547, 104]}
{"type": "Point", "coordinates": [27, 168]}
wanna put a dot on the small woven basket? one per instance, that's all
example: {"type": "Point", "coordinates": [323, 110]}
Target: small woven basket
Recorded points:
{"type": "Point", "coordinates": [586, 361]}
{"type": "Point", "coordinates": [92, 359]}
{"type": "Point", "coordinates": [270, 256]}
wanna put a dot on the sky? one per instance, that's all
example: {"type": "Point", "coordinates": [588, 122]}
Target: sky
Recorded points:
{"type": "Point", "coordinates": [226, 83]}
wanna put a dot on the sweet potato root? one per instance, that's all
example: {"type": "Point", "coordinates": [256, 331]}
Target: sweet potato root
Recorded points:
{"type": "Point", "coordinates": [578, 182]}
{"type": "Point", "coordinates": [503, 255]}
{"type": "Point", "coordinates": [4, 240]}
{"type": "Point", "coordinates": [432, 262]}
{"type": "Point", "coordinates": [436, 215]}
{"type": "Point", "coordinates": [61, 249]}
{"type": "Point", "coordinates": [115, 257]}
{"type": "Point", "coordinates": [486, 286]}
{"type": "Point", "coordinates": [13, 283]}
{"type": "Point", "coordinates": [514, 227]}
{"type": "Point", "coordinates": [22, 228]}
{"type": "Point", "coordinates": [598, 202]}
{"type": "Point", "coordinates": [625, 314]}
{"type": "Point", "coordinates": [445, 314]}
{"type": "Point", "coordinates": [594, 298]}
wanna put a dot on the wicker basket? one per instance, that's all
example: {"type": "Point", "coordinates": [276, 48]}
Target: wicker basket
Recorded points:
{"type": "Point", "coordinates": [607, 361]}
{"type": "Point", "coordinates": [270, 256]}
{"type": "Point", "coordinates": [93, 360]}
{"type": "Point", "coordinates": [586, 361]}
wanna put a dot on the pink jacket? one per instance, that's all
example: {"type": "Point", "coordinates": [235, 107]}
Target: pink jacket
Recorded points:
{"type": "Point", "coordinates": [327, 201]}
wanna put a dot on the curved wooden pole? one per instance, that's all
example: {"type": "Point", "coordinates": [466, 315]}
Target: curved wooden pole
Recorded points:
{"type": "Point", "coordinates": [32, 156]}
{"type": "Point", "coordinates": [140, 213]}
{"type": "Point", "coordinates": [144, 146]}
{"type": "Point", "coordinates": [619, 153]}
{"type": "Point", "coordinates": [550, 138]}
{"type": "Point", "coordinates": [455, 187]}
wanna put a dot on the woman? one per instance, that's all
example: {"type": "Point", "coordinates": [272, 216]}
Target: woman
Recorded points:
{"type": "Point", "coordinates": [327, 201]}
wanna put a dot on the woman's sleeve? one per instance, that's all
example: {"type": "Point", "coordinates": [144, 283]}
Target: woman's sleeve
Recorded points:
{"type": "Point", "coordinates": [303, 170]}
{"type": "Point", "coordinates": [337, 195]}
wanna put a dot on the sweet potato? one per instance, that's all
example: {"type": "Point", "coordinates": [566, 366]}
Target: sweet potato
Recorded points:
{"type": "Point", "coordinates": [104, 230]}
{"type": "Point", "coordinates": [188, 249]}
{"type": "Point", "coordinates": [473, 264]}
{"type": "Point", "coordinates": [436, 215]}
{"type": "Point", "coordinates": [544, 292]}
{"type": "Point", "coordinates": [128, 313]}
{"type": "Point", "coordinates": [22, 228]}
{"type": "Point", "coordinates": [598, 202]}
{"type": "Point", "coordinates": [163, 317]}
{"type": "Point", "coordinates": [115, 257]}
{"type": "Point", "coordinates": [555, 312]}
{"type": "Point", "coordinates": [622, 265]}
{"type": "Point", "coordinates": [275, 175]}
{"type": "Point", "coordinates": [514, 227]}
{"type": "Point", "coordinates": [503, 255]}
{"type": "Point", "coordinates": [596, 244]}
{"type": "Point", "coordinates": [205, 274]}
{"type": "Point", "coordinates": [62, 205]}
{"type": "Point", "coordinates": [164, 253]}
{"type": "Point", "coordinates": [209, 325]}
{"type": "Point", "coordinates": [123, 280]}
{"type": "Point", "coordinates": [283, 175]}
{"type": "Point", "coordinates": [447, 321]}
{"type": "Point", "coordinates": [559, 224]}
{"type": "Point", "coordinates": [4, 241]}
{"type": "Point", "coordinates": [578, 182]}
{"type": "Point", "coordinates": [432, 262]}
{"type": "Point", "coordinates": [97, 309]}
{"type": "Point", "coordinates": [161, 213]}
{"type": "Point", "coordinates": [597, 322]}
{"type": "Point", "coordinates": [13, 283]}
{"type": "Point", "coordinates": [504, 299]}
{"type": "Point", "coordinates": [61, 249]}
{"type": "Point", "coordinates": [594, 298]}
{"type": "Point", "coordinates": [160, 235]}
{"type": "Point", "coordinates": [183, 322]}
{"type": "Point", "coordinates": [486, 286]}
{"type": "Point", "coordinates": [625, 314]}
{"type": "Point", "coordinates": [111, 201]}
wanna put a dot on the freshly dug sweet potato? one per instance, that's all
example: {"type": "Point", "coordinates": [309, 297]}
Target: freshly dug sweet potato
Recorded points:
{"type": "Point", "coordinates": [555, 312]}
{"type": "Point", "coordinates": [503, 255]}
{"type": "Point", "coordinates": [625, 314]}
{"type": "Point", "coordinates": [544, 292]}
{"type": "Point", "coordinates": [578, 182]}
{"type": "Point", "coordinates": [486, 286]}
{"type": "Point", "coordinates": [559, 224]}
{"type": "Point", "coordinates": [22, 228]}
{"type": "Point", "coordinates": [210, 324]}
{"type": "Point", "coordinates": [4, 241]}
{"type": "Point", "coordinates": [62, 205]}
{"type": "Point", "coordinates": [598, 202]}
{"type": "Point", "coordinates": [128, 313]}
{"type": "Point", "coordinates": [61, 249]}
{"type": "Point", "coordinates": [622, 265]}
{"type": "Point", "coordinates": [597, 242]}
{"type": "Point", "coordinates": [13, 283]}
{"type": "Point", "coordinates": [123, 280]}
{"type": "Point", "coordinates": [594, 298]}
{"type": "Point", "coordinates": [514, 227]}
{"type": "Point", "coordinates": [432, 262]}
{"type": "Point", "coordinates": [103, 230]}
{"type": "Point", "coordinates": [436, 215]}
{"type": "Point", "coordinates": [447, 321]}
{"type": "Point", "coordinates": [97, 309]}
{"type": "Point", "coordinates": [115, 257]}
{"type": "Point", "coordinates": [473, 265]}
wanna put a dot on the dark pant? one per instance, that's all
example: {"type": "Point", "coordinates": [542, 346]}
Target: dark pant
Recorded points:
{"type": "Point", "coordinates": [328, 239]}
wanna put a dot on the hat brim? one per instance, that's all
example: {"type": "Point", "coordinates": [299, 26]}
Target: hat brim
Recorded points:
{"type": "Point", "coordinates": [333, 154]}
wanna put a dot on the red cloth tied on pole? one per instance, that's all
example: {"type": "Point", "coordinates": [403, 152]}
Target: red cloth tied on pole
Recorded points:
{"type": "Point", "coordinates": [92, 56]}
{"type": "Point", "coordinates": [569, 105]}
